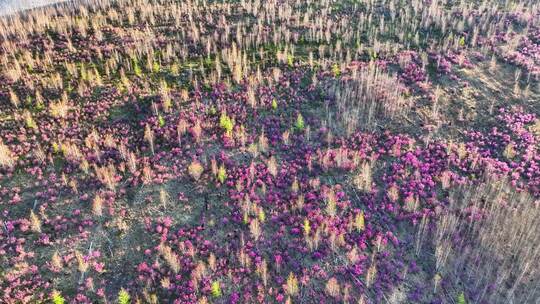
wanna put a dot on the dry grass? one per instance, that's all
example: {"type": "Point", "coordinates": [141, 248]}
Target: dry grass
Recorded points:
{"type": "Point", "coordinates": [7, 158]}
{"type": "Point", "coordinates": [487, 242]}
{"type": "Point", "coordinates": [367, 97]}
{"type": "Point", "coordinates": [149, 136]}
{"type": "Point", "coordinates": [363, 179]}
{"type": "Point", "coordinates": [292, 284]}
{"type": "Point", "coordinates": [59, 109]}
{"type": "Point", "coordinates": [35, 222]}
{"type": "Point", "coordinates": [332, 288]}
{"type": "Point", "coordinates": [195, 170]}
{"type": "Point", "coordinates": [97, 205]}
{"type": "Point", "coordinates": [107, 176]}
{"type": "Point", "coordinates": [170, 257]}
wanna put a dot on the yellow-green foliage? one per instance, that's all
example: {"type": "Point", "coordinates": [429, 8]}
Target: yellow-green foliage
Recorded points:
{"type": "Point", "coordinates": [156, 67]}
{"type": "Point", "coordinates": [374, 55]}
{"type": "Point", "coordinates": [262, 215]}
{"type": "Point", "coordinates": [274, 104]}
{"type": "Point", "coordinates": [290, 60]}
{"type": "Point", "coordinates": [216, 289]}
{"type": "Point", "coordinates": [161, 121]}
{"type": "Point", "coordinates": [29, 121]}
{"type": "Point", "coordinates": [136, 68]}
{"type": "Point", "coordinates": [175, 69]}
{"type": "Point", "coordinates": [123, 297]}
{"type": "Point", "coordinates": [57, 298]}
{"type": "Point", "coordinates": [336, 70]}
{"type": "Point", "coordinates": [461, 299]}
{"type": "Point", "coordinates": [222, 174]}
{"type": "Point", "coordinates": [226, 123]}
{"type": "Point", "coordinates": [299, 124]}
{"type": "Point", "coordinates": [246, 218]}
{"type": "Point", "coordinates": [307, 227]}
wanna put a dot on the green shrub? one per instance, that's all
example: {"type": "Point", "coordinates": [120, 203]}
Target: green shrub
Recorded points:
{"type": "Point", "coordinates": [306, 227]}
{"type": "Point", "coordinates": [161, 121]}
{"type": "Point", "coordinates": [222, 174]}
{"type": "Point", "coordinates": [299, 124]}
{"type": "Point", "coordinates": [290, 60]}
{"type": "Point", "coordinates": [156, 67]}
{"type": "Point", "coordinates": [57, 298]}
{"type": "Point", "coordinates": [336, 70]}
{"type": "Point", "coordinates": [123, 297]}
{"type": "Point", "coordinates": [226, 123]}
{"type": "Point", "coordinates": [216, 289]}
{"type": "Point", "coordinates": [136, 68]}
{"type": "Point", "coordinates": [461, 299]}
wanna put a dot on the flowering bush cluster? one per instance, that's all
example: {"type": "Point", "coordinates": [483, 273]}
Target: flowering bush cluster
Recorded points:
{"type": "Point", "coordinates": [527, 53]}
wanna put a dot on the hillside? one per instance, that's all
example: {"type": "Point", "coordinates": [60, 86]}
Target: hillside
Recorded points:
{"type": "Point", "coordinates": [292, 151]}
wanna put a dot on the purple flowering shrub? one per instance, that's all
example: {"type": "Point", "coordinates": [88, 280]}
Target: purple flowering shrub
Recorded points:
{"type": "Point", "coordinates": [510, 147]}
{"type": "Point", "coordinates": [527, 53]}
